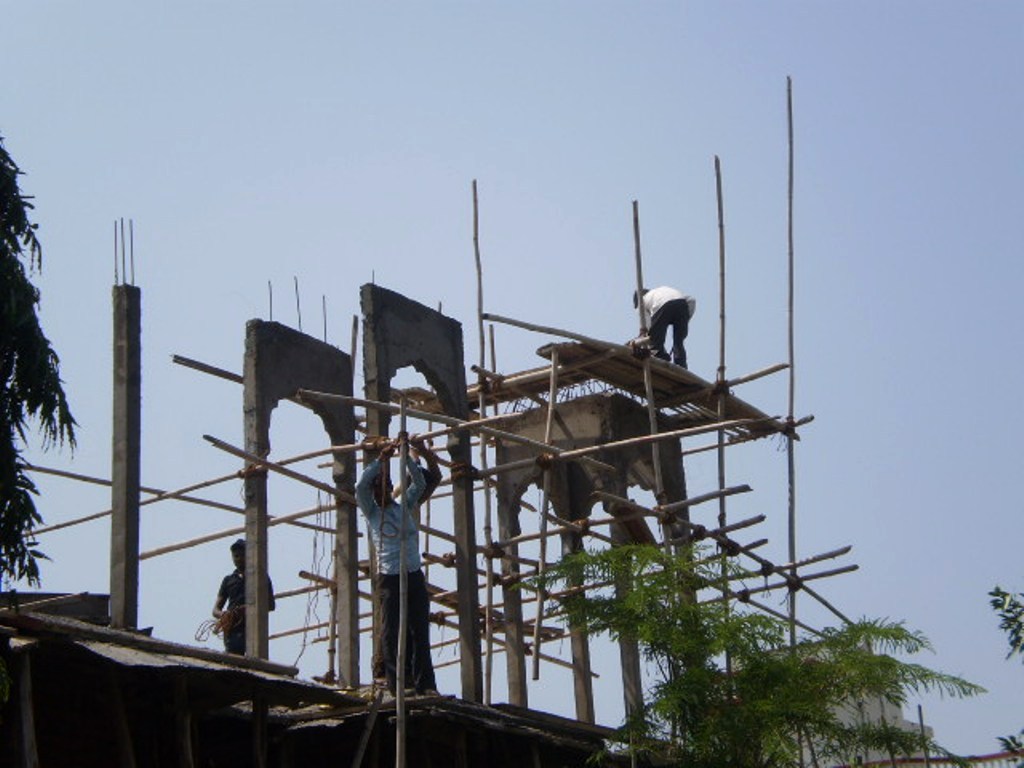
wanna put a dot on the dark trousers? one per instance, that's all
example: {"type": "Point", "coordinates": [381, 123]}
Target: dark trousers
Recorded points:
{"type": "Point", "coordinates": [234, 640]}
{"type": "Point", "coordinates": [419, 667]}
{"type": "Point", "coordinates": [673, 314]}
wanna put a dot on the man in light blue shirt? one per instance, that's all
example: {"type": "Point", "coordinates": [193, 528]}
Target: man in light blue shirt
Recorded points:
{"type": "Point", "coordinates": [388, 523]}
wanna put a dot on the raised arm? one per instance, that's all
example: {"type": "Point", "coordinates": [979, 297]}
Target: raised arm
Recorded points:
{"type": "Point", "coordinates": [364, 488]}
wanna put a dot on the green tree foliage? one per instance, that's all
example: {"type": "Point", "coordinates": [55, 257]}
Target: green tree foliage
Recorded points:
{"type": "Point", "coordinates": [756, 709]}
{"type": "Point", "coordinates": [30, 384]}
{"type": "Point", "coordinates": [1010, 609]}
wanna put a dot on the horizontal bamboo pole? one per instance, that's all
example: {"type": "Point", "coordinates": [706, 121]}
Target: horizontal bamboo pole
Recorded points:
{"type": "Point", "coordinates": [502, 648]}
{"type": "Point", "coordinates": [206, 368]}
{"type": "Point", "coordinates": [620, 349]}
{"type": "Point", "coordinates": [310, 628]}
{"type": "Point", "coordinates": [718, 534]}
{"type": "Point", "coordinates": [783, 616]}
{"type": "Point", "coordinates": [161, 497]}
{"type": "Point", "coordinates": [180, 494]}
{"type": "Point", "coordinates": [278, 468]}
{"type": "Point", "coordinates": [815, 559]}
{"type": "Point", "coordinates": [443, 419]}
{"type": "Point", "coordinates": [757, 374]}
{"type": "Point", "coordinates": [791, 584]}
{"type": "Point", "coordinates": [827, 604]}
{"type": "Point", "coordinates": [318, 579]}
{"type": "Point", "coordinates": [576, 453]}
{"type": "Point", "coordinates": [695, 500]}
{"type": "Point", "coordinates": [443, 535]}
{"type": "Point", "coordinates": [144, 489]}
{"type": "Point", "coordinates": [228, 532]}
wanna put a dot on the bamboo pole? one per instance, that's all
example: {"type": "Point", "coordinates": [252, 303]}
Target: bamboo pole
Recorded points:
{"type": "Point", "coordinates": [798, 583]}
{"type": "Point", "coordinates": [154, 491]}
{"type": "Point", "coordinates": [228, 532]}
{"type": "Point", "coordinates": [458, 423]}
{"type": "Point", "coordinates": [273, 466]}
{"type": "Point", "coordinates": [695, 500]}
{"type": "Point", "coordinates": [481, 407]}
{"type": "Point", "coordinates": [662, 510]}
{"type": "Point", "coordinates": [577, 453]}
{"type": "Point", "coordinates": [206, 368]}
{"type": "Point", "coordinates": [546, 500]}
{"type": "Point", "coordinates": [720, 378]}
{"type": "Point", "coordinates": [790, 459]}
{"type": "Point", "coordinates": [652, 410]}
{"type": "Point", "coordinates": [403, 591]}
{"type": "Point", "coordinates": [168, 495]}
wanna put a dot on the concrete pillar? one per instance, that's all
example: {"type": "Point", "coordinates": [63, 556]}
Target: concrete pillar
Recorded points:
{"type": "Point", "coordinates": [126, 447]}
{"type": "Point", "coordinates": [397, 333]}
{"type": "Point", "coordinates": [515, 640]}
{"type": "Point", "coordinates": [278, 362]}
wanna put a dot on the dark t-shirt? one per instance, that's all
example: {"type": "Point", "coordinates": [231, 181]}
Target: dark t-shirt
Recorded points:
{"type": "Point", "coordinates": [232, 590]}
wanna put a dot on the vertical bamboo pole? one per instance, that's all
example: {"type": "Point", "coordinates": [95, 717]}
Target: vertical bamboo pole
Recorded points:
{"type": "Point", "coordinates": [792, 368]}
{"type": "Point", "coordinates": [489, 607]}
{"type": "Point", "coordinates": [403, 592]}
{"type": "Point", "coordinates": [652, 410]}
{"type": "Point", "coordinates": [542, 564]}
{"type": "Point", "coordinates": [720, 379]}
{"type": "Point", "coordinates": [426, 535]}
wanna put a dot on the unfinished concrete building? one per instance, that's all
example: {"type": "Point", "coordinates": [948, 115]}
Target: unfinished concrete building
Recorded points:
{"type": "Point", "coordinates": [593, 422]}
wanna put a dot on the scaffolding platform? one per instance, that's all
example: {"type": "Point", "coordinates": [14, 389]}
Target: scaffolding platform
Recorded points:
{"type": "Point", "coordinates": [683, 397]}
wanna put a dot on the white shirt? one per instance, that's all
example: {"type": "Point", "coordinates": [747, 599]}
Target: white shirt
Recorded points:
{"type": "Point", "coordinates": [656, 298]}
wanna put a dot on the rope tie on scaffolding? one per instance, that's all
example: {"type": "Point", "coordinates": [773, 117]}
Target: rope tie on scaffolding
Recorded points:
{"type": "Point", "coordinates": [463, 469]}
{"type": "Point", "coordinates": [545, 460]}
{"type": "Point", "coordinates": [252, 470]}
{"type": "Point", "coordinates": [493, 550]}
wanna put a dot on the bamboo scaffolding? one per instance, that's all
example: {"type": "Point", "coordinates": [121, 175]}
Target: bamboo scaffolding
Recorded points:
{"type": "Point", "coordinates": [652, 408]}
{"type": "Point", "coordinates": [667, 511]}
{"type": "Point", "coordinates": [790, 458]}
{"type": "Point", "coordinates": [789, 583]}
{"type": "Point", "coordinates": [107, 483]}
{"type": "Point", "coordinates": [181, 492]}
{"type": "Point", "coordinates": [839, 614]}
{"type": "Point", "coordinates": [578, 453]}
{"type": "Point", "coordinates": [546, 500]}
{"type": "Point", "coordinates": [720, 381]}
{"type": "Point", "coordinates": [312, 627]}
{"type": "Point", "coordinates": [482, 408]}
{"type": "Point", "coordinates": [457, 423]}
{"type": "Point", "coordinates": [504, 649]}
{"type": "Point", "coordinates": [277, 467]}
{"type": "Point", "coordinates": [228, 532]}
{"type": "Point", "coordinates": [212, 370]}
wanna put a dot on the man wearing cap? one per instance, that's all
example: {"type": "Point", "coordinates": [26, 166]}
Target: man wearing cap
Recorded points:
{"type": "Point", "coordinates": [666, 307]}
{"type": "Point", "coordinates": [229, 609]}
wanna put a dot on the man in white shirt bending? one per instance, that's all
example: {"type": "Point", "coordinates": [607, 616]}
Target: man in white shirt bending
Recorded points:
{"type": "Point", "coordinates": [666, 307]}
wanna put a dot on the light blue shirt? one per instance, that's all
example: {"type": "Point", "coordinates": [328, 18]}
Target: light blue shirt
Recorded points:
{"type": "Point", "coordinates": [386, 524]}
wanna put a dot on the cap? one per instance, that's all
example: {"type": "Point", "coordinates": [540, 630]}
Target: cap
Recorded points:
{"type": "Point", "coordinates": [239, 544]}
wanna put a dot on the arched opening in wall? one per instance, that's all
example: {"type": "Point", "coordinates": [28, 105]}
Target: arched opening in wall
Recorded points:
{"type": "Point", "coordinates": [300, 554]}
{"type": "Point", "coordinates": [435, 518]}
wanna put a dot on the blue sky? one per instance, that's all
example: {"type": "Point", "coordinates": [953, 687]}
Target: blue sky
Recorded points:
{"type": "Point", "coordinates": [335, 143]}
